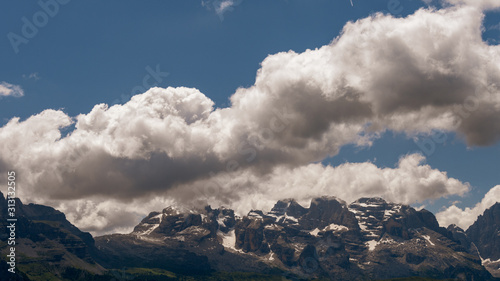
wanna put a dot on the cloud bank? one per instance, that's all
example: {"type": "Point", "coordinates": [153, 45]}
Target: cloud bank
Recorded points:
{"type": "Point", "coordinates": [481, 4]}
{"type": "Point", "coordinates": [428, 71]}
{"type": "Point", "coordinates": [410, 182]}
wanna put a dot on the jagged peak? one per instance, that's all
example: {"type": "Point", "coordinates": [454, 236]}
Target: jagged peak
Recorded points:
{"type": "Point", "coordinates": [171, 210]}
{"type": "Point", "coordinates": [287, 200]}
{"type": "Point", "coordinates": [370, 201]}
{"type": "Point", "coordinates": [327, 198]}
{"type": "Point", "coordinates": [222, 208]}
{"type": "Point", "coordinates": [494, 206]}
{"type": "Point", "coordinates": [454, 227]}
{"type": "Point", "coordinates": [151, 215]}
{"type": "Point", "coordinates": [255, 214]}
{"type": "Point", "coordinates": [282, 206]}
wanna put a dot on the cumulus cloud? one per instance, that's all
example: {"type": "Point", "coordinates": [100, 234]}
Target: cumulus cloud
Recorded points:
{"type": "Point", "coordinates": [428, 71]}
{"type": "Point", "coordinates": [10, 90]}
{"type": "Point", "coordinates": [466, 217]}
{"type": "Point", "coordinates": [374, 73]}
{"type": "Point", "coordinates": [481, 4]}
{"type": "Point", "coordinates": [411, 181]}
{"type": "Point", "coordinates": [100, 216]}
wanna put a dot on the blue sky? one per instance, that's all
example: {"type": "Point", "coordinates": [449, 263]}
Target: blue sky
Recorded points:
{"type": "Point", "coordinates": [93, 52]}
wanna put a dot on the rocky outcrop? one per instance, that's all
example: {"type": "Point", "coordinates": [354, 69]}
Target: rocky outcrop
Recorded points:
{"type": "Point", "coordinates": [484, 235]}
{"type": "Point", "coordinates": [461, 238]}
{"type": "Point", "coordinates": [325, 211]}
{"type": "Point", "coordinates": [43, 234]}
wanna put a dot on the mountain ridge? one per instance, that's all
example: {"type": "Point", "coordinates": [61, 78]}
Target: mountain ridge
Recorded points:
{"type": "Point", "coordinates": [368, 239]}
{"type": "Point", "coordinates": [329, 239]}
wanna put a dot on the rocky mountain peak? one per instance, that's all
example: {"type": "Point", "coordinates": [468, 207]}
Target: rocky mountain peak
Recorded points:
{"type": "Point", "coordinates": [289, 207]}
{"type": "Point", "coordinates": [325, 211]}
{"type": "Point", "coordinates": [371, 201]}
{"type": "Point", "coordinates": [50, 238]}
{"type": "Point", "coordinates": [326, 200]}
{"type": "Point", "coordinates": [460, 236]}
{"type": "Point", "coordinates": [171, 211]}
{"type": "Point", "coordinates": [485, 233]}
{"type": "Point", "coordinates": [483, 239]}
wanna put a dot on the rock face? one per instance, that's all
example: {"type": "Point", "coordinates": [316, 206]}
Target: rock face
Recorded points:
{"type": "Point", "coordinates": [484, 235]}
{"type": "Point", "coordinates": [460, 236]}
{"type": "Point", "coordinates": [367, 240]}
{"type": "Point", "coordinates": [45, 237]}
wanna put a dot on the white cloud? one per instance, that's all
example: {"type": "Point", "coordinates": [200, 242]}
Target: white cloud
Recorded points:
{"type": "Point", "coordinates": [409, 182]}
{"type": "Point", "coordinates": [101, 217]}
{"type": "Point", "coordinates": [10, 90]}
{"type": "Point", "coordinates": [221, 6]}
{"type": "Point", "coordinates": [224, 6]}
{"type": "Point", "coordinates": [481, 4]}
{"type": "Point", "coordinates": [466, 217]}
{"type": "Point", "coordinates": [429, 71]}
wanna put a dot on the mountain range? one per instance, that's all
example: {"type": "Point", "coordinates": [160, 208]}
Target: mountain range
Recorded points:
{"type": "Point", "coordinates": [369, 239]}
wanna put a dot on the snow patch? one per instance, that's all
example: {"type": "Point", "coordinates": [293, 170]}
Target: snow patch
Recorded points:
{"type": "Point", "coordinates": [362, 225]}
{"type": "Point", "coordinates": [335, 227]}
{"type": "Point", "coordinates": [364, 205]}
{"type": "Point", "coordinates": [254, 215]}
{"type": "Point", "coordinates": [291, 218]}
{"type": "Point", "coordinates": [220, 221]}
{"type": "Point", "coordinates": [149, 239]}
{"type": "Point", "coordinates": [314, 232]}
{"type": "Point", "coordinates": [372, 244]}
{"type": "Point", "coordinates": [386, 240]}
{"type": "Point", "coordinates": [147, 232]}
{"type": "Point", "coordinates": [488, 261]}
{"type": "Point", "coordinates": [389, 213]}
{"type": "Point", "coordinates": [271, 256]}
{"type": "Point", "coordinates": [332, 227]}
{"type": "Point", "coordinates": [172, 210]}
{"type": "Point", "coordinates": [272, 226]}
{"type": "Point", "coordinates": [428, 238]}
{"type": "Point", "coordinates": [159, 217]}
{"type": "Point", "coordinates": [229, 240]}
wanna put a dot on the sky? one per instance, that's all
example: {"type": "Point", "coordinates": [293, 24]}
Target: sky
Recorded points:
{"type": "Point", "coordinates": [110, 110]}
